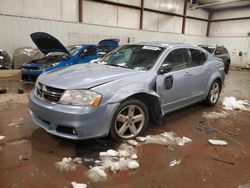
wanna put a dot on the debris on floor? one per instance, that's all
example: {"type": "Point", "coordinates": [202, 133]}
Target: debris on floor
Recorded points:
{"type": "Point", "coordinates": [230, 103]}
{"type": "Point", "coordinates": [20, 91]}
{"type": "Point", "coordinates": [217, 142]}
{"type": "Point", "coordinates": [3, 90]}
{"type": "Point", "coordinates": [224, 161]}
{"type": "Point", "coordinates": [125, 157]}
{"type": "Point", "coordinates": [78, 185]}
{"type": "Point", "coordinates": [23, 158]}
{"type": "Point", "coordinates": [2, 137]}
{"type": "Point", "coordinates": [20, 121]}
{"type": "Point", "coordinates": [175, 162]}
{"type": "Point", "coordinates": [66, 164]}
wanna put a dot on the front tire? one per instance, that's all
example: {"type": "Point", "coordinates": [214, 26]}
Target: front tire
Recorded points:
{"type": "Point", "coordinates": [213, 94]}
{"type": "Point", "coordinates": [130, 120]}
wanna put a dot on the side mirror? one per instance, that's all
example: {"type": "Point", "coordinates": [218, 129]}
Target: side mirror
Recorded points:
{"type": "Point", "coordinates": [169, 81]}
{"type": "Point", "coordinates": [165, 69]}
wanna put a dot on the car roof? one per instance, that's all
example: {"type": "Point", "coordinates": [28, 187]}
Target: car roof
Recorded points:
{"type": "Point", "coordinates": [212, 46]}
{"type": "Point", "coordinates": [164, 44]}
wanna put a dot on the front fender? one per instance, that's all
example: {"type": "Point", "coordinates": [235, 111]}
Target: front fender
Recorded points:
{"type": "Point", "coordinates": [130, 90]}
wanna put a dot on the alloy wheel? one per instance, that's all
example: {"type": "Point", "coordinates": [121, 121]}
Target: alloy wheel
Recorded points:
{"type": "Point", "coordinates": [129, 121]}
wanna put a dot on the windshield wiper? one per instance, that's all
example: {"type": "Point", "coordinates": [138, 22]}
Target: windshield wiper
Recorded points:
{"type": "Point", "coordinates": [115, 65]}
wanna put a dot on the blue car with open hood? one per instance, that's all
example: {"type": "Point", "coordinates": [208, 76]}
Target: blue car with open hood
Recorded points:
{"type": "Point", "coordinates": [56, 55]}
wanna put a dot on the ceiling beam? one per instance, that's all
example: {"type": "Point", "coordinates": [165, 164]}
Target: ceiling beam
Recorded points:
{"type": "Point", "coordinates": [218, 3]}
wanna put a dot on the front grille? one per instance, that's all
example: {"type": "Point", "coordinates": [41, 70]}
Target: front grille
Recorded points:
{"type": "Point", "coordinates": [49, 93]}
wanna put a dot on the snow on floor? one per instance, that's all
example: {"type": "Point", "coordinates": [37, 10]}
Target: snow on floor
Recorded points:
{"type": "Point", "coordinates": [175, 162]}
{"type": "Point", "coordinates": [20, 121]}
{"type": "Point", "coordinates": [125, 157]}
{"type": "Point", "coordinates": [67, 164]}
{"type": "Point", "coordinates": [214, 115]}
{"type": "Point", "coordinates": [166, 138]}
{"type": "Point", "coordinates": [228, 104]}
{"type": "Point", "coordinates": [231, 103]}
{"type": "Point", "coordinates": [2, 137]}
{"type": "Point", "coordinates": [78, 185]}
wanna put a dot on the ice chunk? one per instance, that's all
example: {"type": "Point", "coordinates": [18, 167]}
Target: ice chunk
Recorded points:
{"type": "Point", "coordinates": [174, 162]}
{"type": "Point", "coordinates": [132, 142]}
{"type": "Point", "coordinates": [2, 137]}
{"type": "Point", "coordinates": [96, 174]}
{"type": "Point", "coordinates": [78, 185]}
{"type": "Point", "coordinates": [140, 138]}
{"type": "Point", "coordinates": [112, 153]}
{"type": "Point", "coordinates": [134, 156]}
{"type": "Point", "coordinates": [67, 159]}
{"type": "Point", "coordinates": [230, 103]}
{"type": "Point", "coordinates": [182, 141]}
{"type": "Point", "coordinates": [133, 165]}
{"type": "Point", "coordinates": [66, 164]}
{"type": "Point", "coordinates": [217, 142]}
{"type": "Point", "coordinates": [77, 160]}
{"type": "Point", "coordinates": [123, 153]}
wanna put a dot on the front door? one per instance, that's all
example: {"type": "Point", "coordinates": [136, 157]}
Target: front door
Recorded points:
{"type": "Point", "coordinates": [179, 94]}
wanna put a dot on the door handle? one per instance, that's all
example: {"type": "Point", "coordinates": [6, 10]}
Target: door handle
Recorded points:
{"type": "Point", "coordinates": [209, 68]}
{"type": "Point", "coordinates": [187, 74]}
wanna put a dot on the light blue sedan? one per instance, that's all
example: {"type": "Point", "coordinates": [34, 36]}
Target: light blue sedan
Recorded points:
{"type": "Point", "coordinates": [123, 91]}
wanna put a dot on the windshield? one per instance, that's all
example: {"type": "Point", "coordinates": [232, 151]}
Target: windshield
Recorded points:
{"type": "Point", "coordinates": [209, 49]}
{"type": "Point", "coordinates": [71, 49]}
{"type": "Point", "coordinates": [141, 57]}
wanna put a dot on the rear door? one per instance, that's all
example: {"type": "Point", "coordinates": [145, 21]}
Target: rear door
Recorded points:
{"type": "Point", "coordinates": [200, 73]}
{"type": "Point", "coordinates": [181, 91]}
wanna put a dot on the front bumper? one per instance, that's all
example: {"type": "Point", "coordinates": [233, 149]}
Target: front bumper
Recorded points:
{"type": "Point", "coordinates": [59, 120]}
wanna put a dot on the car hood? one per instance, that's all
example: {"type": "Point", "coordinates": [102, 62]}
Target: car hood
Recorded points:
{"type": "Point", "coordinates": [47, 43]}
{"type": "Point", "coordinates": [85, 76]}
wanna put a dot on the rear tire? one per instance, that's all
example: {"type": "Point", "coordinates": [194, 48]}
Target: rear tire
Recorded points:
{"type": "Point", "coordinates": [213, 94]}
{"type": "Point", "coordinates": [130, 120]}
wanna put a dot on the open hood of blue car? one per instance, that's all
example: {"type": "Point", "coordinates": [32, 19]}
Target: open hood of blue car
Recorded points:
{"type": "Point", "coordinates": [47, 43]}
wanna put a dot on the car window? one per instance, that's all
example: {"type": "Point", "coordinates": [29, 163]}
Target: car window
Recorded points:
{"type": "Point", "coordinates": [198, 57]}
{"type": "Point", "coordinates": [177, 59]}
{"type": "Point", "coordinates": [208, 48]}
{"type": "Point", "coordinates": [91, 51]}
{"type": "Point", "coordinates": [141, 57]}
{"type": "Point", "coordinates": [219, 51]}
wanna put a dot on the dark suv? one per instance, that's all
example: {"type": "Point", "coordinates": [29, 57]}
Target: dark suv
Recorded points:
{"type": "Point", "coordinates": [220, 52]}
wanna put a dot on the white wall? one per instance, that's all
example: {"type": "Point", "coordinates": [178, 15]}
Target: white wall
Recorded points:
{"type": "Point", "coordinates": [16, 33]}
{"type": "Point", "coordinates": [233, 34]}
{"type": "Point", "coordinates": [50, 9]}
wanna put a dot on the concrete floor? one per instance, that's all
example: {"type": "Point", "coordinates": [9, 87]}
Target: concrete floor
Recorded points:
{"type": "Point", "coordinates": [197, 168]}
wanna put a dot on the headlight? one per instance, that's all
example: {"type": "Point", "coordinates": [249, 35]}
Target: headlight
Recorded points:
{"type": "Point", "coordinates": [81, 98]}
